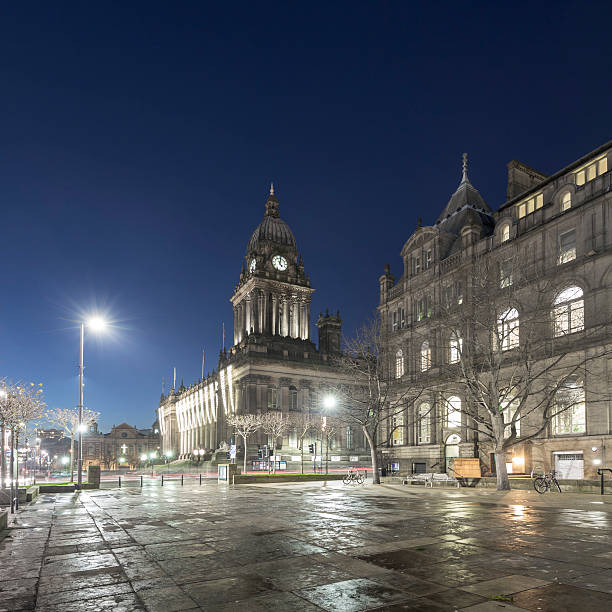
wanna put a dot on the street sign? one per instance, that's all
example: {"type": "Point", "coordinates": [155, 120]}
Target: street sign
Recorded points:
{"type": "Point", "coordinates": [232, 451]}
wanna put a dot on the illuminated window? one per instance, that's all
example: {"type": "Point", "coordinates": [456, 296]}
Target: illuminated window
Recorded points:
{"type": "Point", "coordinates": [399, 364]}
{"type": "Point", "coordinates": [423, 308]}
{"type": "Point", "coordinates": [424, 424]}
{"type": "Point", "coordinates": [509, 405]}
{"type": "Point", "coordinates": [394, 319]}
{"type": "Point", "coordinates": [397, 423]}
{"type": "Point", "coordinates": [597, 168]}
{"type": "Point", "coordinates": [528, 206]}
{"type": "Point", "coordinates": [416, 264]}
{"type": "Point", "coordinates": [505, 273]}
{"type": "Point", "coordinates": [425, 356]}
{"type": "Point", "coordinates": [568, 312]}
{"type": "Point", "coordinates": [428, 259]}
{"type": "Point", "coordinates": [453, 411]}
{"type": "Point", "coordinates": [567, 247]}
{"type": "Point", "coordinates": [455, 346]}
{"type": "Point", "coordinates": [459, 292]}
{"type": "Point", "coordinates": [349, 437]}
{"type": "Point", "coordinates": [272, 398]}
{"type": "Point", "coordinates": [566, 201]}
{"type": "Point", "coordinates": [508, 329]}
{"type": "Point", "coordinates": [569, 409]}
{"type": "Point", "coordinates": [505, 233]}
{"type": "Point", "coordinates": [402, 317]}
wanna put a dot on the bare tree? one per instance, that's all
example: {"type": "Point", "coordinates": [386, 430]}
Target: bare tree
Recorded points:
{"type": "Point", "coordinates": [245, 425]}
{"type": "Point", "coordinates": [68, 420]}
{"type": "Point", "coordinates": [370, 395]}
{"type": "Point", "coordinates": [303, 424]}
{"type": "Point", "coordinates": [505, 350]}
{"type": "Point", "coordinates": [274, 424]}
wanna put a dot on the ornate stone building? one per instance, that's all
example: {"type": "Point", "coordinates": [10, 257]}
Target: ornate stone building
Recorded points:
{"type": "Point", "coordinates": [273, 363]}
{"type": "Point", "coordinates": [559, 225]}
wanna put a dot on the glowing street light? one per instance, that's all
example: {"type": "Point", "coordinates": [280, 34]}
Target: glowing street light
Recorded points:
{"type": "Point", "coordinates": [96, 324]}
{"type": "Point", "coordinates": [143, 457]}
{"type": "Point", "coordinates": [329, 402]}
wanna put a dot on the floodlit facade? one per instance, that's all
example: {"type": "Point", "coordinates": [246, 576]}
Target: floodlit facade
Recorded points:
{"type": "Point", "coordinates": [272, 365]}
{"type": "Point", "coordinates": [560, 225]}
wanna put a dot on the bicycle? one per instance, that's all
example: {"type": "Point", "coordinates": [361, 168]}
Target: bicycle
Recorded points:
{"type": "Point", "coordinates": [544, 482]}
{"type": "Point", "coordinates": [353, 477]}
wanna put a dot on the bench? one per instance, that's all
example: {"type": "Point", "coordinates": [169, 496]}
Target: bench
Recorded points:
{"type": "Point", "coordinates": [418, 479]}
{"type": "Point", "coordinates": [443, 478]}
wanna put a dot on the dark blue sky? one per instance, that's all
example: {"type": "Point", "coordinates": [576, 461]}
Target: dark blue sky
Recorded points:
{"type": "Point", "coordinates": [138, 141]}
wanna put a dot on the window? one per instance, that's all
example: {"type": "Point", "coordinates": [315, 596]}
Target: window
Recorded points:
{"type": "Point", "coordinates": [509, 405]}
{"type": "Point", "coordinates": [425, 356]}
{"type": "Point", "coordinates": [399, 364]}
{"type": "Point", "coordinates": [394, 319]}
{"type": "Point", "coordinates": [568, 312]}
{"type": "Point", "coordinates": [508, 329]}
{"type": "Point", "coordinates": [459, 292]}
{"type": "Point", "coordinates": [397, 423]}
{"type": "Point", "coordinates": [567, 247]}
{"type": "Point", "coordinates": [453, 411]}
{"type": "Point", "coordinates": [293, 398]}
{"type": "Point", "coordinates": [416, 264]}
{"type": "Point", "coordinates": [569, 409]}
{"type": "Point", "coordinates": [349, 438]}
{"type": "Point", "coordinates": [455, 346]}
{"type": "Point", "coordinates": [566, 201]}
{"type": "Point", "coordinates": [593, 170]}
{"type": "Point", "coordinates": [528, 206]}
{"type": "Point", "coordinates": [505, 273]}
{"type": "Point", "coordinates": [505, 233]}
{"type": "Point", "coordinates": [428, 259]}
{"type": "Point", "coordinates": [423, 308]}
{"type": "Point", "coordinates": [272, 398]}
{"type": "Point", "coordinates": [424, 424]}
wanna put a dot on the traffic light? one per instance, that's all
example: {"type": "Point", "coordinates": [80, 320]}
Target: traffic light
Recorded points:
{"type": "Point", "coordinates": [311, 449]}
{"type": "Point", "coordinates": [227, 455]}
{"type": "Point", "coordinates": [260, 453]}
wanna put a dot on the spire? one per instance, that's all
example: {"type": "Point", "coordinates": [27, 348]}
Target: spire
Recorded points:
{"type": "Point", "coordinates": [464, 178]}
{"type": "Point", "coordinates": [271, 188]}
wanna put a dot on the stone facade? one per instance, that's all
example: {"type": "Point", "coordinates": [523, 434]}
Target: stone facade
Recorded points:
{"type": "Point", "coordinates": [272, 364]}
{"type": "Point", "coordinates": [561, 225]}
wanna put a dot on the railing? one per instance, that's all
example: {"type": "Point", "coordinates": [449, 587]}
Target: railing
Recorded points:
{"type": "Point", "coordinates": [600, 472]}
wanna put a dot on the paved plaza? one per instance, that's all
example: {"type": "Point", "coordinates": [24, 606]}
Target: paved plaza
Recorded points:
{"type": "Point", "coordinates": [308, 547]}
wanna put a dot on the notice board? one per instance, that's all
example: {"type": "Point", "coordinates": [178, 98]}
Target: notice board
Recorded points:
{"type": "Point", "coordinates": [467, 467]}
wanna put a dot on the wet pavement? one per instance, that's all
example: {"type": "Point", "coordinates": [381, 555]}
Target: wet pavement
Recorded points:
{"type": "Point", "coordinates": [308, 547]}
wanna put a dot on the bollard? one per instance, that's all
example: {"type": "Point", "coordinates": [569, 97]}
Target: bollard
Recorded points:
{"type": "Point", "coordinates": [119, 481]}
{"type": "Point", "coordinates": [162, 481]}
{"type": "Point", "coordinates": [200, 478]}
{"type": "Point", "coordinates": [141, 481]}
{"type": "Point", "coordinates": [181, 480]}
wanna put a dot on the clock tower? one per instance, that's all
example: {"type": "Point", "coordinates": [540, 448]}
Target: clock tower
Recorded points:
{"type": "Point", "coordinates": [272, 298]}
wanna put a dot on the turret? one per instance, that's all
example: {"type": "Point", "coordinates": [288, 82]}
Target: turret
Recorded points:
{"type": "Point", "coordinates": [330, 331]}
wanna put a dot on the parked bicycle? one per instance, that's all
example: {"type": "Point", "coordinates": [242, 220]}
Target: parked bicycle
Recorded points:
{"type": "Point", "coordinates": [544, 482]}
{"type": "Point", "coordinates": [353, 477]}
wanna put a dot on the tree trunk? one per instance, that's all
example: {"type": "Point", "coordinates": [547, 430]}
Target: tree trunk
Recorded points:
{"type": "Point", "coordinates": [503, 482]}
{"type": "Point", "coordinates": [302, 443]}
{"type": "Point", "coordinates": [374, 455]}
{"type": "Point", "coordinates": [274, 455]}
{"type": "Point", "coordinates": [3, 458]}
{"type": "Point", "coordinates": [244, 438]}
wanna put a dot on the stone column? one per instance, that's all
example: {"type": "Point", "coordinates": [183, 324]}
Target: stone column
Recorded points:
{"type": "Point", "coordinates": [285, 330]}
{"type": "Point", "coordinates": [273, 322]}
{"type": "Point", "coordinates": [307, 321]}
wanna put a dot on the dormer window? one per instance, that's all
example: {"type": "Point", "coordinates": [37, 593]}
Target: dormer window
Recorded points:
{"type": "Point", "coordinates": [505, 233]}
{"type": "Point", "coordinates": [566, 201]}
{"type": "Point", "coordinates": [528, 206]}
{"type": "Point", "coordinates": [416, 264]}
{"type": "Point", "coordinates": [593, 170]}
{"type": "Point", "coordinates": [428, 258]}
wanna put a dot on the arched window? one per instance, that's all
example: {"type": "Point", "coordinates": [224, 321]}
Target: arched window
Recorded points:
{"type": "Point", "coordinates": [455, 346]}
{"type": "Point", "coordinates": [425, 356]}
{"type": "Point", "coordinates": [508, 329]}
{"type": "Point", "coordinates": [505, 233]}
{"type": "Point", "coordinates": [568, 311]}
{"type": "Point", "coordinates": [453, 411]}
{"type": "Point", "coordinates": [569, 409]}
{"type": "Point", "coordinates": [293, 398]}
{"type": "Point", "coordinates": [566, 201]}
{"type": "Point", "coordinates": [397, 423]}
{"type": "Point", "coordinates": [399, 364]}
{"type": "Point", "coordinates": [424, 424]}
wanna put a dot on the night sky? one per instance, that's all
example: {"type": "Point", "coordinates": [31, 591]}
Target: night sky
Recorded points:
{"type": "Point", "coordinates": [138, 141]}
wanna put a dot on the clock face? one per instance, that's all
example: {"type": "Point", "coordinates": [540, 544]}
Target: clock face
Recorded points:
{"type": "Point", "coordinates": [252, 266]}
{"type": "Point", "coordinates": [279, 262]}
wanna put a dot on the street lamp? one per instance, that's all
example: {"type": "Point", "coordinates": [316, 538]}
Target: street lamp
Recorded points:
{"type": "Point", "coordinates": [329, 403]}
{"type": "Point", "coordinates": [96, 324]}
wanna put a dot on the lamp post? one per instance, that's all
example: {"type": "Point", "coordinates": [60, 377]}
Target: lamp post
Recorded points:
{"type": "Point", "coordinates": [96, 324]}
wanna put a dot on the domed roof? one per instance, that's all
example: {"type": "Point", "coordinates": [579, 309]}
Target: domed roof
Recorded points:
{"type": "Point", "coordinates": [272, 228]}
